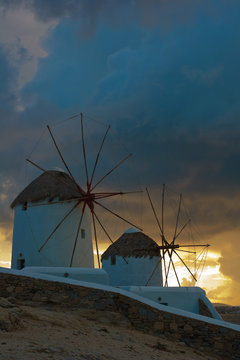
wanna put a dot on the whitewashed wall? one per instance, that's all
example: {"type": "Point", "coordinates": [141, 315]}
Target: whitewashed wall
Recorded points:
{"type": "Point", "coordinates": [136, 272]}
{"type": "Point", "coordinates": [185, 298]}
{"type": "Point", "coordinates": [33, 226]}
{"type": "Point", "coordinates": [97, 276]}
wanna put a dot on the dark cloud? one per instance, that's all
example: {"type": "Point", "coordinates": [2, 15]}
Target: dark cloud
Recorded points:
{"type": "Point", "coordinates": [171, 108]}
{"type": "Point", "coordinates": [8, 76]}
{"type": "Point", "coordinates": [114, 13]}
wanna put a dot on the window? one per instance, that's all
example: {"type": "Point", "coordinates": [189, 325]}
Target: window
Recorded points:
{"type": "Point", "coordinates": [20, 264]}
{"type": "Point", "coordinates": [113, 259]}
{"type": "Point", "coordinates": [24, 207]}
{"type": "Point", "coordinates": [83, 233]}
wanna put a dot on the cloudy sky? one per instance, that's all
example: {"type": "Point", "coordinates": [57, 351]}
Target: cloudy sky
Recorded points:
{"type": "Point", "coordinates": [163, 73]}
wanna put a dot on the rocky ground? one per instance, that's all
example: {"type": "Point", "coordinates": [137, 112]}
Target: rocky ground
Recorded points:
{"type": "Point", "coordinates": [55, 332]}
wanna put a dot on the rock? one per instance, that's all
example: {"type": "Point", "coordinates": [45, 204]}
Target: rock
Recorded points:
{"type": "Point", "coordinates": [218, 345]}
{"type": "Point", "coordinates": [188, 329]}
{"type": "Point", "coordinates": [10, 289]}
{"type": "Point", "coordinates": [56, 349]}
{"type": "Point", "coordinates": [5, 303]}
{"type": "Point", "coordinates": [36, 297]}
{"type": "Point", "coordinates": [19, 290]}
{"type": "Point", "coordinates": [9, 320]}
{"type": "Point", "coordinates": [4, 320]}
{"type": "Point", "coordinates": [160, 346]}
{"type": "Point", "coordinates": [187, 341]}
{"type": "Point", "coordinates": [182, 343]}
{"type": "Point", "coordinates": [109, 317]}
{"type": "Point", "coordinates": [158, 326]}
{"type": "Point", "coordinates": [26, 313]}
{"type": "Point", "coordinates": [103, 330]}
{"type": "Point", "coordinates": [49, 350]}
{"type": "Point", "coordinates": [173, 327]}
{"type": "Point", "coordinates": [117, 337]}
{"type": "Point", "coordinates": [56, 299]}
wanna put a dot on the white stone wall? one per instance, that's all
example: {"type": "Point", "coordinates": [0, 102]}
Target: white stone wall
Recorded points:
{"type": "Point", "coordinates": [97, 276]}
{"type": "Point", "coordinates": [32, 228]}
{"type": "Point", "coordinates": [185, 298]}
{"type": "Point", "coordinates": [136, 272]}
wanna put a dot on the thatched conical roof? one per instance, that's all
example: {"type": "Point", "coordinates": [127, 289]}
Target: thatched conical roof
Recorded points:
{"type": "Point", "coordinates": [136, 244]}
{"type": "Point", "coordinates": [50, 185]}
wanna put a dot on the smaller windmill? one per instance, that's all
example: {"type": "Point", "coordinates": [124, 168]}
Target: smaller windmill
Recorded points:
{"type": "Point", "coordinates": [171, 246]}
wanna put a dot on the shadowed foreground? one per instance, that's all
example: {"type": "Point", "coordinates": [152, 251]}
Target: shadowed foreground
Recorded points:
{"type": "Point", "coordinates": [55, 332]}
{"type": "Point", "coordinates": [42, 319]}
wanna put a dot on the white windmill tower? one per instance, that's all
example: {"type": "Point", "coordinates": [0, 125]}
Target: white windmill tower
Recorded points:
{"type": "Point", "coordinates": [35, 224]}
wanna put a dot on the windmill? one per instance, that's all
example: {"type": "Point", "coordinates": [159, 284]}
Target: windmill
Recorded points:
{"type": "Point", "coordinates": [171, 246]}
{"type": "Point", "coordinates": [86, 199]}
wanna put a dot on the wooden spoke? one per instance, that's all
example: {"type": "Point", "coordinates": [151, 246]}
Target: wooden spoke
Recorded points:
{"type": "Point", "coordinates": [58, 225]}
{"type": "Point", "coordinates": [60, 154]}
{"type": "Point", "coordinates": [163, 236]}
{"type": "Point", "coordinates": [103, 195]}
{"type": "Point", "coordinates": [39, 167]}
{"type": "Point", "coordinates": [170, 252]}
{"type": "Point", "coordinates": [97, 158]}
{"type": "Point", "coordinates": [179, 284]}
{"type": "Point", "coordinates": [190, 252]}
{"type": "Point", "coordinates": [115, 214]}
{"type": "Point", "coordinates": [184, 264]}
{"type": "Point", "coordinates": [84, 151]}
{"type": "Point", "coordinates": [198, 245]}
{"type": "Point", "coordinates": [163, 196]}
{"type": "Point", "coordinates": [173, 266]}
{"type": "Point", "coordinates": [108, 236]}
{"type": "Point", "coordinates": [177, 219]}
{"type": "Point", "coordinates": [182, 229]}
{"type": "Point", "coordinates": [76, 238]}
{"type": "Point", "coordinates": [95, 237]}
{"type": "Point", "coordinates": [164, 241]}
{"type": "Point", "coordinates": [153, 272]}
{"type": "Point", "coordinates": [154, 212]}
{"type": "Point", "coordinates": [109, 172]}
{"type": "Point", "coordinates": [160, 228]}
{"type": "Point", "coordinates": [168, 268]}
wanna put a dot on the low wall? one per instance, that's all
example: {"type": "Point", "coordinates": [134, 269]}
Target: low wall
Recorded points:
{"type": "Point", "coordinates": [191, 299]}
{"type": "Point", "coordinates": [222, 341]}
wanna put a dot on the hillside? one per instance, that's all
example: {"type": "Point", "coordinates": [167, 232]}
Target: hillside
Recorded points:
{"type": "Point", "coordinates": [41, 319]}
{"type": "Point", "coordinates": [54, 332]}
{"type": "Point", "coordinates": [229, 313]}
